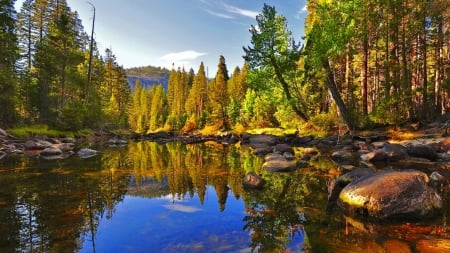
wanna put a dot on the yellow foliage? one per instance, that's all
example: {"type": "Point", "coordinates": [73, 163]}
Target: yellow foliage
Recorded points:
{"type": "Point", "coordinates": [211, 129]}
{"type": "Point", "coordinates": [190, 125]}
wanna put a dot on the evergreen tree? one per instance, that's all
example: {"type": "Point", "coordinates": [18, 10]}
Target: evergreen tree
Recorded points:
{"type": "Point", "coordinates": [158, 109]}
{"type": "Point", "coordinates": [8, 56]}
{"type": "Point", "coordinates": [196, 100]}
{"type": "Point", "coordinates": [218, 93]}
{"type": "Point", "coordinates": [275, 51]}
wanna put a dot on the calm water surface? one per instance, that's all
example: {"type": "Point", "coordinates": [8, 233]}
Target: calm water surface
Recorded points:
{"type": "Point", "coordinates": [181, 198]}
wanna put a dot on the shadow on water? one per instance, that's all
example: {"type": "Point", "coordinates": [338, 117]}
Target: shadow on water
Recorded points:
{"type": "Point", "coordinates": [184, 198]}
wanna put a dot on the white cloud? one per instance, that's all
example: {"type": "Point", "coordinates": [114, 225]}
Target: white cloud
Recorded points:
{"type": "Point", "coordinates": [239, 11]}
{"type": "Point", "coordinates": [226, 11]}
{"type": "Point", "coordinates": [182, 59]}
{"type": "Point", "coordinates": [220, 15]}
{"type": "Point", "coordinates": [182, 56]}
{"type": "Point", "coordinates": [305, 8]}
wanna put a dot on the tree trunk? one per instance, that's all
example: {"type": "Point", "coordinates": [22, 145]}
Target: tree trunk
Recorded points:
{"type": "Point", "coordinates": [288, 94]}
{"type": "Point", "coordinates": [331, 85]}
{"type": "Point", "coordinates": [365, 74]}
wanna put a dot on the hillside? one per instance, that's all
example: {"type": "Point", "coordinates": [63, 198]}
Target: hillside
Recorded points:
{"type": "Point", "coordinates": [148, 75]}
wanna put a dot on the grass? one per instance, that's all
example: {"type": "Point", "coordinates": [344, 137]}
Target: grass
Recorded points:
{"type": "Point", "coordinates": [24, 132]}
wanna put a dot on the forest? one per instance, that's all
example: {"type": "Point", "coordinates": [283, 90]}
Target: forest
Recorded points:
{"type": "Point", "coordinates": [359, 64]}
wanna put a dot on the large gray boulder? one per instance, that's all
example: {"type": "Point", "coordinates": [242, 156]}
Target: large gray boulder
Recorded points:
{"type": "Point", "coordinates": [391, 194]}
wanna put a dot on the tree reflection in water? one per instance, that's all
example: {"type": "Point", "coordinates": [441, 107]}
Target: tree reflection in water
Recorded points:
{"type": "Point", "coordinates": [58, 206]}
{"type": "Point", "coordinates": [275, 215]}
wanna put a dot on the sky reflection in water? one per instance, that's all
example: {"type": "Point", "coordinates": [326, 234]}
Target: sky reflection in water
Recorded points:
{"type": "Point", "coordinates": [168, 224]}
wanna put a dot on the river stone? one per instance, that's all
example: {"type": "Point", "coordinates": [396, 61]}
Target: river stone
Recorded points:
{"type": "Point", "coordinates": [36, 144]}
{"type": "Point", "coordinates": [336, 186]}
{"type": "Point", "coordinates": [273, 156]}
{"type": "Point", "coordinates": [343, 156]}
{"type": "Point", "coordinates": [262, 151]}
{"type": "Point", "coordinates": [395, 151]}
{"type": "Point", "coordinates": [376, 155]}
{"type": "Point", "coordinates": [252, 181]}
{"type": "Point", "coordinates": [65, 147]}
{"type": "Point", "coordinates": [391, 194]}
{"type": "Point", "coordinates": [422, 151]}
{"type": "Point", "coordinates": [51, 151]}
{"type": "Point", "coordinates": [2, 154]}
{"type": "Point", "coordinates": [266, 139]}
{"type": "Point", "coordinates": [353, 175]}
{"type": "Point", "coordinates": [281, 165]}
{"type": "Point", "coordinates": [283, 148]}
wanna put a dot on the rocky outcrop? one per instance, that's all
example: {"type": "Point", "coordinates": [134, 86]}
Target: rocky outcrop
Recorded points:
{"type": "Point", "coordinates": [391, 194]}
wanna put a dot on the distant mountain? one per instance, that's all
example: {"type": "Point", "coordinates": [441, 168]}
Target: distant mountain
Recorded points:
{"type": "Point", "coordinates": [149, 76]}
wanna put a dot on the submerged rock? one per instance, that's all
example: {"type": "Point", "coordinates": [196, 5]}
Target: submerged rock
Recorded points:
{"type": "Point", "coordinates": [391, 194]}
{"type": "Point", "coordinates": [279, 165]}
{"type": "Point", "coordinates": [343, 156]}
{"type": "Point", "coordinates": [252, 181]}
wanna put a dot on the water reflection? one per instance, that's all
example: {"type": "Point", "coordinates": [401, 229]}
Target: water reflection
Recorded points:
{"type": "Point", "coordinates": [177, 198]}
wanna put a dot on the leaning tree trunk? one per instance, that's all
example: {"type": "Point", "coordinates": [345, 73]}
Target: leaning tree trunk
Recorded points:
{"type": "Point", "coordinates": [331, 85]}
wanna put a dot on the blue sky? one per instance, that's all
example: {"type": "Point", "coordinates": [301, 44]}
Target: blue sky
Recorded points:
{"type": "Point", "coordinates": [183, 32]}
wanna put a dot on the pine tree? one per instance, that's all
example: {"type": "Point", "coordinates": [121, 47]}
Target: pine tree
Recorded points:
{"type": "Point", "coordinates": [218, 93]}
{"type": "Point", "coordinates": [196, 100]}
{"type": "Point", "coordinates": [8, 56]}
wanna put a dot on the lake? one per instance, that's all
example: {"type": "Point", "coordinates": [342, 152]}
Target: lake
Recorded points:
{"type": "Point", "coordinates": [147, 197]}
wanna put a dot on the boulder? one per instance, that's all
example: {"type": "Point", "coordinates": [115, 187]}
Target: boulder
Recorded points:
{"type": "Point", "coordinates": [36, 144]}
{"type": "Point", "coordinates": [336, 186]}
{"type": "Point", "coordinates": [353, 175]}
{"type": "Point", "coordinates": [278, 163]}
{"type": "Point", "coordinates": [376, 155]}
{"type": "Point", "coordinates": [65, 146]}
{"type": "Point", "coordinates": [422, 151]}
{"type": "Point", "coordinates": [273, 156]}
{"type": "Point", "coordinates": [262, 139]}
{"type": "Point", "coordinates": [343, 156]}
{"type": "Point", "coordinates": [283, 148]}
{"type": "Point", "coordinates": [262, 151]}
{"type": "Point", "coordinates": [391, 194]}
{"type": "Point", "coordinates": [51, 151]}
{"type": "Point", "coordinates": [251, 181]}
{"type": "Point", "coordinates": [395, 152]}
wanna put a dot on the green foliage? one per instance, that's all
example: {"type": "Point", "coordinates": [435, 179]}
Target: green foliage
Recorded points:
{"type": "Point", "coordinates": [33, 130]}
{"type": "Point", "coordinates": [73, 117]}
{"type": "Point", "coordinates": [326, 121]}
